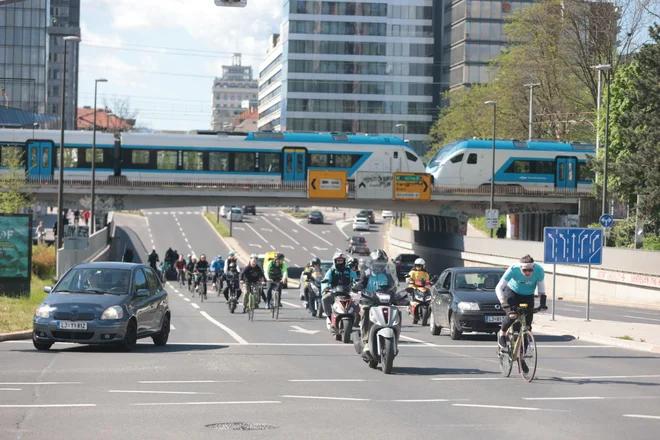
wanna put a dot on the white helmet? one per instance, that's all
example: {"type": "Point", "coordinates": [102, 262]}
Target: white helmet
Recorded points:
{"type": "Point", "coordinates": [420, 262]}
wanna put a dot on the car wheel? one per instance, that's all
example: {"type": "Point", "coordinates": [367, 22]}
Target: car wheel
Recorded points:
{"type": "Point", "coordinates": [164, 333]}
{"type": "Point", "coordinates": [41, 346]}
{"type": "Point", "coordinates": [454, 333]}
{"type": "Point", "coordinates": [435, 329]}
{"type": "Point", "coordinates": [130, 339]}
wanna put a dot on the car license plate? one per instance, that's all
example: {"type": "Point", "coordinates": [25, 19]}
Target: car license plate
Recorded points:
{"type": "Point", "coordinates": [494, 318]}
{"type": "Point", "coordinates": [68, 325]}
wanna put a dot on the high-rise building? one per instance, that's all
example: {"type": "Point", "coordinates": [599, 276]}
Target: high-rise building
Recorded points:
{"type": "Point", "coordinates": [64, 21]}
{"type": "Point", "coordinates": [357, 67]}
{"type": "Point", "coordinates": [233, 93]}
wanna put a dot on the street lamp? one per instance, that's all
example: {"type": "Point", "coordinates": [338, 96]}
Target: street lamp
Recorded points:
{"type": "Point", "coordinates": [60, 186]}
{"type": "Point", "coordinates": [603, 68]}
{"type": "Point", "coordinates": [492, 173]}
{"type": "Point", "coordinates": [405, 129]}
{"type": "Point", "coordinates": [92, 217]}
{"type": "Point", "coordinates": [531, 106]}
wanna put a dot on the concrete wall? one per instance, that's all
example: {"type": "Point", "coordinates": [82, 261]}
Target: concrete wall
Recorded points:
{"type": "Point", "coordinates": [98, 250]}
{"type": "Point", "coordinates": [627, 276]}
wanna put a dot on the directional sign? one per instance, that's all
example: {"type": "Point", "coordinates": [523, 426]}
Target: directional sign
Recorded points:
{"type": "Point", "coordinates": [371, 185]}
{"type": "Point", "coordinates": [326, 184]}
{"type": "Point", "coordinates": [412, 186]}
{"type": "Point", "coordinates": [573, 246]}
{"type": "Point", "coordinates": [606, 220]}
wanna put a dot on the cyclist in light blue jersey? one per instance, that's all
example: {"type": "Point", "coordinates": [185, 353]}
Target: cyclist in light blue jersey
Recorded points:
{"type": "Point", "coordinates": [516, 287]}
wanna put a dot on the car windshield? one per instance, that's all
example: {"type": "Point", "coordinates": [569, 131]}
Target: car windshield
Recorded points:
{"type": "Point", "coordinates": [94, 281]}
{"type": "Point", "coordinates": [409, 258]}
{"type": "Point", "coordinates": [316, 213]}
{"type": "Point", "coordinates": [477, 280]}
{"type": "Point", "coordinates": [358, 240]}
{"type": "Point", "coordinates": [236, 210]}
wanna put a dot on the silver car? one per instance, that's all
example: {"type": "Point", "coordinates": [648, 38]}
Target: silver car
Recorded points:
{"type": "Point", "coordinates": [104, 303]}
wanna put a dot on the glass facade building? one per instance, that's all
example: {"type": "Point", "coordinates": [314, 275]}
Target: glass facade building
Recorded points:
{"type": "Point", "coordinates": [351, 66]}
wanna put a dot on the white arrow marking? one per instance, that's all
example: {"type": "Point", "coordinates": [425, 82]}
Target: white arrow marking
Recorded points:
{"type": "Point", "coordinates": [256, 245]}
{"type": "Point", "coordinates": [295, 231]}
{"type": "Point", "coordinates": [297, 329]}
{"type": "Point", "coordinates": [325, 232]}
{"type": "Point", "coordinates": [550, 237]}
{"type": "Point", "coordinates": [287, 246]}
{"type": "Point", "coordinates": [266, 229]}
{"type": "Point", "coordinates": [320, 248]}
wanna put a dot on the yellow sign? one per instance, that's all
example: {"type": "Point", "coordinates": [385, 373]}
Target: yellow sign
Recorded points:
{"type": "Point", "coordinates": [412, 186]}
{"type": "Point", "coordinates": [324, 184]}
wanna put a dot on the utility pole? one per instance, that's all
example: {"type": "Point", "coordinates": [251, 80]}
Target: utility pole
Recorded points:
{"type": "Point", "coordinates": [531, 107]}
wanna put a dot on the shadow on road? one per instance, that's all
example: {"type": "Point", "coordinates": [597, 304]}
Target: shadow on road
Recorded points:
{"type": "Point", "coordinates": [436, 371]}
{"type": "Point", "coordinates": [597, 381]}
{"type": "Point", "coordinates": [143, 348]}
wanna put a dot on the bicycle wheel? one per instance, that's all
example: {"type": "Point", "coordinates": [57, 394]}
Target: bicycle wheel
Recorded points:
{"type": "Point", "coordinates": [277, 307]}
{"type": "Point", "coordinates": [506, 357]}
{"type": "Point", "coordinates": [251, 307]}
{"type": "Point", "coordinates": [527, 356]}
{"type": "Point", "coordinates": [274, 303]}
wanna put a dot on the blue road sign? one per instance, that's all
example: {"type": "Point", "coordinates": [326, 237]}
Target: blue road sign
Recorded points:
{"type": "Point", "coordinates": [573, 246]}
{"type": "Point", "coordinates": [606, 220]}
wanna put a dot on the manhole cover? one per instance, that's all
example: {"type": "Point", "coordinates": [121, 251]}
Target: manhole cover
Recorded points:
{"type": "Point", "coordinates": [240, 426]}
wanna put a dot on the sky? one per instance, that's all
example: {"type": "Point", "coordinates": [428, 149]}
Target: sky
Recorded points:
{"type": "Point", "coordinates": [162, 55]}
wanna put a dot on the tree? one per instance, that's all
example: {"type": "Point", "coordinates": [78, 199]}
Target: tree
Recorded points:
{"type": "Point", "coordinates": [12, 179]}
{"type": "Point", "coordinates": [121, 116]}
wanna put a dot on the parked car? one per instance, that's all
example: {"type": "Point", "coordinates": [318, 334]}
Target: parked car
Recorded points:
{"type": "Point", "coordinates": [224, 210]}
{"type": "Point", "coordinates": [388, 214]}
{"type": "Point", "coordinates": [250, 209]}
{"type": "Point", "coordinates": [464, 300]}
{"type": "Point", "coordinates": [404, 264]}
{"type": "Point", "coordinates": [369, 214]}
{"type": "Point", "coordinates": [103, 303]}
{"type": "Point", "coordinates": [361, 224]}
{"type": "Point", "coordinates": [267, 257]}
{"type": "Point", "coordinates": [315, 217]}
{"type": "Point", "coordinates": [357, 245]}
{"type": "Point", "coordinates": [236, 214]}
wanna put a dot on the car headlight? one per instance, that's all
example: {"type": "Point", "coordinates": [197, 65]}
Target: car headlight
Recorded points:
{"type": "Point", "coordinates": [44, 311]}
{"type": "Point", "coordinates": [113, 312]}
{"type": "Point", "coordinates": [463, 305]}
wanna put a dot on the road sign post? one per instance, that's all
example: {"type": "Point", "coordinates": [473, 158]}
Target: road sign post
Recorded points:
{"type": "Point", "coordinates": [554, 289]}
{"type": "Point", "coordinates": [580, 246]}
{"type": "Point", "coordinates": [412, 186]}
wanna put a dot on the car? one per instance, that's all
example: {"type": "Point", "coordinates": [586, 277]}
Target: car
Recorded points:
{"type": "Point", "coordinates": [250, 209]}
{"type": "Point", "coordinates": [357, 245]}
{"type": "Point", "coordinates": [361, 224]}
{"type": "Point", "coordinates": [236, 214]}
{"type": "Point", "coordinates": [388, 214]}
{"type": "Point", "coordinates": [464, 300]}
{"type": "Point", "coordinates": [369, 214]}
{"type": "Point", "coordinates": [315, 217]}
{"type": "Point", "coordinates": [270, 256]}
{"type": "Point", "coordinates": [404, 264]}
{"type": "Point", "coordinates": [224, 210]}
{"type": "Point", "coordinates": [103, 303]}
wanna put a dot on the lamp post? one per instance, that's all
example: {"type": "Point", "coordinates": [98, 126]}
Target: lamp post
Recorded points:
{"type": "Point", "coordinates": [405, 129]}
{"type": "Point", "coordinates": [601, 68]}
{"type": "Point", "coordinates": [531, 107]}
{"type": "Point", "coordinates": [492, 173]}
{"type": "Point", "coordinates": [92, 217]}
{"type": "Point", "coordinates": [608, 78]}
{"type": "Point", "coordinates": [60, 186]}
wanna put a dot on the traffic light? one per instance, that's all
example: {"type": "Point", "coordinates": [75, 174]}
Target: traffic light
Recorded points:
{"type": "Point", "coordinates": [231, 3]}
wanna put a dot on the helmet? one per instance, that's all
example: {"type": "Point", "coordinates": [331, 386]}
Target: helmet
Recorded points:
{"type": "Point", "coordinates": [189, 255]}
{"type": "Point", "coordinates": [218, 257]}
{"type": "Point", "coordinates": [362, 262]}
{"type": "Point", "coordinates": [352, 262]}
{"type": "Point", "coordinates": [194, 258]}
{"type": "Point", "coordinates": [378, 255]}
{"type": "Point", "coordinates": [420, 262]}
{"type": "Point", "coordinates": [203, 257]}
{"type": "Point", "coordinates": [232, 253]}
{"type": "Point", "coordinates": [339, 256]}
{"type": "Point", "coordinates": [279, 256]}
{"type": "Point", "coordinates": [254, 256]}
{"type": "Point", "coordinates": [315, 261]}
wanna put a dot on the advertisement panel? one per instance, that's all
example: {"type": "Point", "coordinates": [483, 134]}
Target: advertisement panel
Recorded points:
{"type": "Point", "coordinates": [15, 253]}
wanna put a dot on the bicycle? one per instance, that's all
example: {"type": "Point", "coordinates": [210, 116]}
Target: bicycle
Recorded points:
{"type": "Point", "coordinates": [202, 278]}
{"type": "Point", "coordinates": [275, 302]}
{"type": "Point", "coordinates": [251, 300]}
{"type": "Point", "coordinates": [181, 277]}
{"type": "Point", "coordinates": [520, 347]}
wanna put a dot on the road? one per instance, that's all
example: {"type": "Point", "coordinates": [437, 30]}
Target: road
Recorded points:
{"type": "Point", "coordinates": [291, 377]}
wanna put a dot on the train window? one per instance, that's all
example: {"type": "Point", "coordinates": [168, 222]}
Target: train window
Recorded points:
{"type": "Point", "coordinates": [544, 167]}
{"type": "Point", "coordinates": [411, 157]}
{"type": "Point", "coordinates": [99, 155]}
{"type": "Point", "coordinates": [585, 173]}
{"type": "Point", "coordinates": [396, 154]}
{"type": "Point", "coordinates": [45, 159]}
{"type": "Point", "coordinates": [561, 172]}
{"type": "Point", "coordinates": [192, 160]}
{"type": "Point", "coordinates": [140, 157]}
{"type": "Point", "coordinates": [70, 158]}
{"type": "Point", "coordinates": [472, 158]}
{"type": "Point", "coordinates": [343, 160]}
{"type": "Point", "coordinates": [166, 160]}
{"type": "Point", "coordinates": [270, 162]}
{"type": "Point", "coordinates": [319, 160]}
{"type": "Point", "coordinates": [34, 156]}
{"type": "Point", "coordinates": [244, 162]}
{"type": "Point", "coordinates": [218, 161]}
{"type": "Point", "coordinates": [457, 159]}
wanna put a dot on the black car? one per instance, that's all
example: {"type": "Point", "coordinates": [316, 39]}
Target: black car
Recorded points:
{"type": "Point", "coordinates": [369, 214]}
{"type": "Point", "coordinates": [357, 245]}
{"type": "Point", "coordinates": [464, 300]}
{"type": "Point", "coordinates": [250, 209]}
{"type": "Point", "coordinates": [404, 264]}
{"type": "Point", "coordinates": [103, 303]}
{"type": "Point", "coordinates": [315, 217]}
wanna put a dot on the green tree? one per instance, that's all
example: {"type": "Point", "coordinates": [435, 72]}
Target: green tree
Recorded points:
{"type": "Point", "coordinates": [12, 179]}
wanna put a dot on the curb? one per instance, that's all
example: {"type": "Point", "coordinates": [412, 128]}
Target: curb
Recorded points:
{"type": "Point", "coordinates": [16, 336]}
{"type": "Point", "coordinates": [237, 247]}
{"type": "Point", "coordinates": [599, 339]}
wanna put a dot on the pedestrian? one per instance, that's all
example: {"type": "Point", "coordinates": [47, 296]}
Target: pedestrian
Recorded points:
{"type": "Point", "coordinates": [86, 216]}
{"type": "Point", "coordinates": [41, 233]}
{"type": "Point", "coordinates": [128, 255]}
{"type": "Point", "coordinates": [76, 216]}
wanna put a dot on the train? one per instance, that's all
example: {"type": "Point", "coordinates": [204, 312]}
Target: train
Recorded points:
{"type": "Point", "coordinates": [533, 164]}
{"type": "Point", "coordinates": [207, 156]}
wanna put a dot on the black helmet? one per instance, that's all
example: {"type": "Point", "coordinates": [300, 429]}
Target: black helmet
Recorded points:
{"type": "Point", "coordinates": [378, 255]}
{"type": "Point", "coordinates": [279, 256]}
{"type": "Point", "coordinates": [352, 262]}
{"type": "Point", "coordinates": [315, 261]}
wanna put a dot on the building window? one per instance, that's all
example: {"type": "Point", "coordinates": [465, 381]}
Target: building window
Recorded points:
{"type": "Point", "coordinates": [270, 162]}
{"type": "Point", "coordinates": [166, 160]}
{"type": "Point", "coordinates": [218, 161]}
{"type": "Point", "coordinates": [140, 157]}
{"type": "Point", "coordinates": [192, 160]}
{"type": "Point", "coordinates": [244, 162]}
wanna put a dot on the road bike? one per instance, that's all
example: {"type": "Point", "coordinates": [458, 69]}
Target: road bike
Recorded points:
{"type": "Point", "coordinates": [275, 302]}
{"type": "Point", "coordinates": [252, 299]}
{"type": "Point", "coordinates": [202, 285]}
{"type": "Point", "coordinates": [520, 347]}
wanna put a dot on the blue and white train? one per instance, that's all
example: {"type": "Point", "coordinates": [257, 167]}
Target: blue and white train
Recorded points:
{"type": "Point", "coordinates": [259, 156]}
{"type": "Point", "coordinates": [531, 164]}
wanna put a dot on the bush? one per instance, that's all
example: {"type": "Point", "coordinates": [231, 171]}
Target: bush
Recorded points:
{"type": "Point", "coordinates": [652, 243]}
{"type": "Point", "coordinates": [44, 261]}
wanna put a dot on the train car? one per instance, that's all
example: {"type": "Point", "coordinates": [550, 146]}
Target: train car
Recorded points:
{"type": "Point", "coordinates": [531, 164]}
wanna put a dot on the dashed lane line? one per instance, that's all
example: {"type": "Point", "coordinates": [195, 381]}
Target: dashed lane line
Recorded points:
{"type": "Point", "coordinates": [351, 399]}
{"type": "Point", "coordinates": [195, 305]}
{"type": "Point", "coordinates": [642, 416]}
{"type": "Point", "coordinates": [247, 402]}
{"type": "Point", "coordinates": [292, 304]}
{"type": "Point", "coordinates": [229, 331]}
{"type": "Point", "coordinates": [187, 381]}
{"type": "Point", "coordinates": [69, 405]}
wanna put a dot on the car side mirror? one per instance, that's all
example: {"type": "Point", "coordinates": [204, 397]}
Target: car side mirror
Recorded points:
{"type": "Point", "coordinates": [142, 293]}
{"type": "Point", "coordinates": [48, 289]}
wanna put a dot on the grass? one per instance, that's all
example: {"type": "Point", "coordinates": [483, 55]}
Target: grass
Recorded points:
{"type": "Point", "coordinates": [222, 229]}
{"type": "Point", "coordinates": [303, 213]}
{"type": "Point", "coordinates": [480, 222]}
{"type": "Point", "coordinates": [625, 338]}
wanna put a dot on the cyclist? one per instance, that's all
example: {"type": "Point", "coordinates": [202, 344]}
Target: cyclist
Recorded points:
{"type": "Point", "coordinates": [517, 287]}
{"type": "Point", "coordinates": [232, 258]}
{"type": "Point", "coordinates": [169, 253]}
{"type": "Point", "coordinates": [217, 266]}
{"type": "Point", "coordinates": [232, 280]}
{"type": "Point", "coordinates": [313, 272]}
{"type": "Point", "coordinates": [190, 268]}
{"type": "Point", "coordinates": [201, 267]}
{"type": "Point", "coordinates": [250, 276]}
{"type": "Point", "coordinates": [338, 275]}
{"type": "Point", "coordinates": [276, 273]}
{"type": "Point", "coordinates": [180, 268]}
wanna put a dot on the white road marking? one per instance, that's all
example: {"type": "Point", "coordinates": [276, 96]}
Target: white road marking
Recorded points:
{"type": "Point", "coordinates": [610, 377]}
{"type": "Point", "coordinates": [408, 338]}
{"type": "Point", "coordinates": [340, 228]}
{"type": "Point", "coordinates": [71, 405]}
{"type": "Point", "coordinates": [285, 234]}
{"type": "Point", "coordinates": [286, 246]}
{"type": "Point", "coordinates": [421, 400]}
{"type": "Point", "coordinates": [258, 234]}
{"type": "Point", "coordinates": [255, 245]}
{"type": "Point", "coordinates": [229, 331]}
{"type": "Point", "coordinates": [172, 327]}
{"type": "Point", "coordinates": [188, 381]}
{"type": "Point", "coordinates": [465, 378]}
{"type": "Point", "coordinates": [642, 416]}
{"type": "Point", "coordinates": [196, 212]}
{"type": "Point", "coordinates": [154, 392]}
{"type": "Point", "coordinates": [297, 306]}
{"type": "Point", "coordinates": [639, 317]}
{"type": "Point", "coordinates": [272, 247]}
{"type": "Point", "coordinates": [195, 305]}
{"type": "Point", "coordinates": [305, 249]}
{"type": "Point", "coordinates": [297, 329]}
{"type": "Point", "coordinates": [40, 383]}
{"type": "Point", "coordinates": [352, 399]}
{"type": "Point", "coordinates": [188, 212]}
{"type": "Point", "coordinates": [186, 238]}
{"type": "Point", "coordinates": [238, 227]}
{"type": "Point", "coordinates": [183, 234]}
{"type": "Point", "coordinates": [157, 213]}
{"type": "Point", "coordinates": [520, 408]}
{"type": "Point", "coordinates": [564, 398]}
{"type": "Point", "coordinates": [267, 229]}
{"type": "Point", "coordinates": [311, 232]}
{"type": "Point", "coordinates": [10, 389]}
{"type": "Point", "coordinates": [187, 299]}
{"type": "Point", "coordinates": [180, 212]}
{"type": "Point", "coordinates": [253, 402]}
{"type": "Point", "coordinates": [328, 380]}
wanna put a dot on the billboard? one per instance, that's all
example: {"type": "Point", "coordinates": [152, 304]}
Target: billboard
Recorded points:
{"type": "Point", "coordinates": [15, 253]}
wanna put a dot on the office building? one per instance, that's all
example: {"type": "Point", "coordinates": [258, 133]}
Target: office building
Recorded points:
{"type": "Point", "coordinates": [233, 93]}
{"type": "Point", "coordinates": [356, 67]}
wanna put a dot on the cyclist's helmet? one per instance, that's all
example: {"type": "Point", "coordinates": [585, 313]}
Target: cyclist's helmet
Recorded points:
{"type": "Point", "coordinates": [202, 257]}
{"type": "Point", "coordinates": [232, 253]}
{"type": "Point", "coordinates": [194, 258]}
{"type": "Point", "coordinates": [255, 256]}
{"type": "Point", "coordinates": [279, 256]}
{"type": "Point", "coordinates": [339, 259]}
{"type": "Point", "coordinates": [188, 257]}
{"type": "Point", "coordinates": [420, 263]}
{"type": "Point", "coordinates": [316, 261]}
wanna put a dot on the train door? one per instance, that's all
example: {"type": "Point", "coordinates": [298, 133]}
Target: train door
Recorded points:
{"type": "Point", "coordinates": [566, 172]}
{"type": "Point", "coordinates": [39, 159]}
{"type": "Point", "coordinates": [295, 164]}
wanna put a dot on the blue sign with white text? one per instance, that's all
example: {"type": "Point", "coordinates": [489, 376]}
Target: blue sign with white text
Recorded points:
{"type": "Point", "coordinates": [573, 246]}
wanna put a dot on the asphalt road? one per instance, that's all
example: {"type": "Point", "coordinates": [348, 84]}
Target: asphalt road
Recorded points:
{"type": "Point", "coordinates": [291, 375]}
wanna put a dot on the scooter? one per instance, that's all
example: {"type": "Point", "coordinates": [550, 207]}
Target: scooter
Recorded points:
{"type": "Point", "coordinates": [421, 304]}
{"type": "Point", "coordinates": [343, 314]}
{"type": "Point", "coordinates": [383, 329]}
{"type": "Point", "coordinates": [315, 305]}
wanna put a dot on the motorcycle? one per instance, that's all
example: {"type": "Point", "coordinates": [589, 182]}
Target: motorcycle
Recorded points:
{"type": "Point", "coordinates": [343, 314]}
{"type": "Point", "coordinates": [315, 295]}
{"type": "Point", "coordinates": [421, 304]}
{"type": "Point", "coordinates": [233, 285]}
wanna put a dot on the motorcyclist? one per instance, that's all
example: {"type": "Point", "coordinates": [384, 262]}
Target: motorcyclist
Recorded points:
{"type": "Point", "coordinates": [417, 273]}
{"type": "Point", "coordinates": [232, 280]}
{"type": "Point", "coordinates": [217, 266]}
{"type": "Point", "coordinates": [153, 259]}
{"type": "Point", "coordinates": [354, 265]}
{"type": "Point", "coordinates": [276, 273]}
{"type": "Point", "coordinates": [201, 267]}
{"type": "Point", "coordinates": [338, 275]}
{"type": "Point", "coordinates": [313, 272]}
{"type": "Point", "coordinates": [252, 274]}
